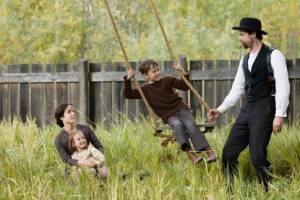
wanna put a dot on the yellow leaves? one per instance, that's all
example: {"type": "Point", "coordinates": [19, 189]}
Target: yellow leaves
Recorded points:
{"type": "Point", "coordinates": [294, 7]}
{"type": "Point", "coordinates": [58, 5]}
{"type": "Point", "coordinates": [60, 30]}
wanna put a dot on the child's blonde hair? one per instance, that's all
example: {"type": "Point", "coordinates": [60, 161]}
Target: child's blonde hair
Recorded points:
{"type": "Point", "coordinates": [71, 139]}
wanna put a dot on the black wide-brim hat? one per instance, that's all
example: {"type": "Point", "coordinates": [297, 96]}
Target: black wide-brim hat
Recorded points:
{"type": "Point", "coordinates": [250, 24]}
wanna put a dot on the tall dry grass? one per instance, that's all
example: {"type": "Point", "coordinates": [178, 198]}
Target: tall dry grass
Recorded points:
{"type": "Point", "coordinates": [139, 167]}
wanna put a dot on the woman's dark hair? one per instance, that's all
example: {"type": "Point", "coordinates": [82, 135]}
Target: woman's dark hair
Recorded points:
{"type": "Point", "coordinates": [59, 112]}
{"type": "Point", "coordinates": [146, 65]}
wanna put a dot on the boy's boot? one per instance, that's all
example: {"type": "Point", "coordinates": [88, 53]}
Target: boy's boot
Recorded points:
{"type": "Point", "coordinates": [193, 157]}
{"type": "Point", "coordinates": [211, 155]}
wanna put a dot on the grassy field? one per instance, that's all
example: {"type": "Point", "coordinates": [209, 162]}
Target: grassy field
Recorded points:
{"type": "Point", "coordinates": [139, 167]}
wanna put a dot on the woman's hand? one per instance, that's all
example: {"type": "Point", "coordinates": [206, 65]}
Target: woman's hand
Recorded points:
{"type": "Point", "coordinates": [90, 163]}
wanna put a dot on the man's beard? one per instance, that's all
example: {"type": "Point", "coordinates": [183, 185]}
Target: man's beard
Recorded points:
{"type": "Point", "coordinates": [244, 45]}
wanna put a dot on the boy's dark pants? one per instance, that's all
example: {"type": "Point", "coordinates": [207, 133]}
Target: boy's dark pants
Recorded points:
{"type": "Point", "coordinates": [185, 128]}
{"type": "Point", "coordinates": [253, 127]}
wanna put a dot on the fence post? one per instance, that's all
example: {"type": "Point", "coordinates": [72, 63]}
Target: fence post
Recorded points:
{"type": "Point", "coordinates": [84, 91]}
{"type": "Point", "coordinates": [183, 62]}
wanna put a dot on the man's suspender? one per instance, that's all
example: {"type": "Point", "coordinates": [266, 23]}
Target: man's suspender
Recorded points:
{"type": "Point", "coordinates": [269, 66]}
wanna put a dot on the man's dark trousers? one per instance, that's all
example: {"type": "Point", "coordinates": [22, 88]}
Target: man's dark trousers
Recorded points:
{"type": "Point", "coordinates": [253, 127]}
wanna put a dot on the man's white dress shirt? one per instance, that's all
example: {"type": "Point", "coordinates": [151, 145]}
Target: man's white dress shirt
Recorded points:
{"type": "Point", "coordinates": [282, 85]}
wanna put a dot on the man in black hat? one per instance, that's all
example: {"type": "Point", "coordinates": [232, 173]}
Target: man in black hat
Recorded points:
{"type": "Point", "coordinates": [265, 101]}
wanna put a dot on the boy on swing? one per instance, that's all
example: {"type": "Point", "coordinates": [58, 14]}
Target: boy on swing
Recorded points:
{"type": "Point", "coordinates": [170, 107]}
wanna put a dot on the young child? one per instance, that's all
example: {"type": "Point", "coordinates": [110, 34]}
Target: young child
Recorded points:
{"type": "Point", "coordinates": [170, 107]}
{"type": "Point", "coordinates": [84, 151]}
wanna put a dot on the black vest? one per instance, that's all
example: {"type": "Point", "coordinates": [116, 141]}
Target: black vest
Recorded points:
{"type": "Point", "coordinates": [257, 82]}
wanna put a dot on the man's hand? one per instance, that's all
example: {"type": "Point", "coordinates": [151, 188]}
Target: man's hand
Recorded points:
{"type": "Point", "coordinates": [130, 73]}
{"type": "Point", "coordinates": [178, 67]}
{"type": "Point", "coordinates": [213, 114]}
{"type": "Point", "coordinates": [277, 123]}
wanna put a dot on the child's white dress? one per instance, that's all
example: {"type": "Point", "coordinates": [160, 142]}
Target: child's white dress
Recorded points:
{"type": "Point", "coordinates": [92, 152]}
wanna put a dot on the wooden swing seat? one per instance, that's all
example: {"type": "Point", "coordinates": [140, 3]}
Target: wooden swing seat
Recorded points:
{"type": "Point", "coordinates": [207, 127]}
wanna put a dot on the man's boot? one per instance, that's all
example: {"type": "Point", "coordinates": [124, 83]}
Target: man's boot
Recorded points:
{"type": "Point", "coordinates": [193, 157]}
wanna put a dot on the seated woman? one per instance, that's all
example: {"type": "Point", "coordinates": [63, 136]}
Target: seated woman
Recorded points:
{"type": "Point", "coordinates": [65, 116]}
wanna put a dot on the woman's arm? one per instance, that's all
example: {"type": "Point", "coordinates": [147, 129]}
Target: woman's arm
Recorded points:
{"type": "Point", "coordinates": [66, 158]}
{"type": "Point", "coordinates": [94, 140]}
{"type": "Point", "coordinates": [84, 159]}
{"type": "Point", "coordinates": [90, 163]}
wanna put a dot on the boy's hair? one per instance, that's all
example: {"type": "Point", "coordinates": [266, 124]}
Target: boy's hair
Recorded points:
{"type": "Point", "coordinates": [59, 112]}
{"type": "Point", "coordinates": [146, 65]}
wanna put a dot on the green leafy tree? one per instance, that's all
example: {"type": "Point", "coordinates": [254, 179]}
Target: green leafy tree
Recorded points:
{"type": "Point", "coordinates": [41, 31]}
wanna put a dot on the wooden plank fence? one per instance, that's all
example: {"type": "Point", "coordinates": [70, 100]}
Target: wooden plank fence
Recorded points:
{"type": "Point", "coordinates": [95, 89]}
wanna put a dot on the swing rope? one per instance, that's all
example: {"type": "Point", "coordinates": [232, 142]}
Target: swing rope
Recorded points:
{"type": "Point", "coordinates": [167, 138]}
{"type": "Point", "coordinates": [128, 66]}
{"type": "Point", "coordinates": [194, 91]}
